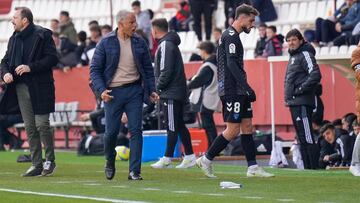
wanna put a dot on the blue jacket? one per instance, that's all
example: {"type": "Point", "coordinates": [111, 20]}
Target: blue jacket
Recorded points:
{"type": "Point", "coordinates": [351, 19]}
{"type": "Point", "coordinates": [106, 59]}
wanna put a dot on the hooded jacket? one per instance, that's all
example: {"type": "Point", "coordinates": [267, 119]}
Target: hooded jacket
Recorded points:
{"type": "Point", "coordinates": [169, 69]}
{"type": "Point", "coordinates": [355, 65]}
{"type": "Point", "coordinates": [302, 75]}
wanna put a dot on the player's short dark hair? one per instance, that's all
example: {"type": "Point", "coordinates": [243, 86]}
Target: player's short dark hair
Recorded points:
{"type": "Point", "coordinates": [337, 122]}
{"type": "Point", "coordinates": [294, 33]}
{"type": "Point", "coordinates": [65, 13]}
{"type": "Point", "coordinates": [326, 127]}
{"type": "Point", "coordinates": [136, 3]}
{"type": "Point", "coordinates": [272, 27]}
{"type": "Point", "coordinates": [93, 22]}
{"type": "Point", "coordinates": [218, 30]}
{"type": "Point", "coordinates": [161, 24]}
{"type": "Point", "coordinates": [25, 12]}
{"type": "Point", "coordinates": [95, 28]}
{"type": "Point", "coordinates": [355, 123]}
{"type": "Point", "coordinates": [82, 36]}
{"type": "Point", "coordinates": [207, 46]}
{"type": "Point", "coordinates": [245, 9]}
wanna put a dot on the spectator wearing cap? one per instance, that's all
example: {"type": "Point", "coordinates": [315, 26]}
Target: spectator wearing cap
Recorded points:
{"type": "Point", "coordinates": [67, 27]}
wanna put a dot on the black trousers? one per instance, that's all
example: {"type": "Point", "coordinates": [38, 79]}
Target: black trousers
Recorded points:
{"type": "Point", "coordinates": [302, 120]}
{"type": "Point", "coordinates": [174, 118]}
{"type": "Point", "coordinates": [328, 32]}
{"type": "Point", "coordinates": [199, 7]}
{"type": "Point", "coordinates": [207, 121]}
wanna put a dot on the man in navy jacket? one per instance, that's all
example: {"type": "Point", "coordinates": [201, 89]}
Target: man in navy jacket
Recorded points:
{"type": "Point", "coordinates": [122, 73]}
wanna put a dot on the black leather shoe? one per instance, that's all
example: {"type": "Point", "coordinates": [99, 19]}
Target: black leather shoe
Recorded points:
{"type": "Point", "coordinates": [134, 176]}
{"type": "Point", "coordinates": [33, 171]}
{"type": "Point", "coordinates": [110, 170]}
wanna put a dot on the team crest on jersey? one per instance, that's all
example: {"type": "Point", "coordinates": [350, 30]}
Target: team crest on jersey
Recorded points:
{"type": "Point", "coordinates": [292, 60]}
{"type": "Point", "coordinates": [231, 32]}
{"type": "Point", "coordinates": [232, 48]}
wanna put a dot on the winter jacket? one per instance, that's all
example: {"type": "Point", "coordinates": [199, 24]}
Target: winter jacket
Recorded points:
{"type": "Point", "coordinates": [106, 59]}
{"type": "Point", "coordinates": [40, 55]}
{"type": "Point", "coordinates": [169, 69]}
{"type": "Point", "coordinates": [231, 74]}
{"type": "Point", "coordinates": [273, 46]}
{"type": "Point", "coordinates": [351, 19]}
{"type": "Point", "coordinates": [302, 75]}
{"type": "Point", "coordinates": [68, 30]}
{"type": "Point", "coordinates": [355, 65]}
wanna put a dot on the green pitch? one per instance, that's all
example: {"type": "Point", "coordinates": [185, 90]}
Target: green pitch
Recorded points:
{"type": "Point", "coordinates": [84, 178]}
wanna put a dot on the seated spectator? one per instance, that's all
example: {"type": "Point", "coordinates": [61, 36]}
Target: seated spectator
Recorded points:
{"type": "Point", "coordinates": [105, 29]}
{"type": "Point", "coordinates": [273, 45]}
{"type": "Point", "coordinates": [180, 22]}
{"type": "Point", "coordinates": [67, 27]}
{"type": "Point", "coordinates": [352, 39]}
{"type": "Point", "coordinates": [347, 121]}
{"type": "Point", "coordinates": [7, 121]}
{"type": "Point", "coordinates": [260, 44]}
{"type": "Point", "coordinates": [336, 147]}
{"type": "Point", "coordinates": [325, 28]}
{"type": "Point", "coordinates": [66, 52]}
{"type": "Point", "coordinates": [95, 36]}
{"type": "Point", "coordinates": [217, 35]}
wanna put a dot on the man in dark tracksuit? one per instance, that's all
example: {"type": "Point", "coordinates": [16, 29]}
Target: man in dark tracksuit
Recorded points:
{"type": "Point", "coordinates": [336, 147]}
{"type": "Point", "coordinates": [236, 95]}
{"type": "Point", "coordinates": [27, 70]}
{"type": "Point", "coordinates": [302, 76]}
{"type": "Point", "coordinates": [171, 86]}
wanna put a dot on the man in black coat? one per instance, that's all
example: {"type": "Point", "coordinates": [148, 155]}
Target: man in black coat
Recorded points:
{"type": "Point", "coordinates": [27, 71]}
{"type": "Point", "coordinates": [171, 86]}
{"type": "Point", "coordinates": [302, 76]}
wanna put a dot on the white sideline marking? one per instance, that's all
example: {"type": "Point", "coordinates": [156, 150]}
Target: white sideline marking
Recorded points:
{"type": "Point", "coordinates": [120, 186]}
{"type": "Point", "coordinates": [62, 182]}
{"type": "Point", "coordinates": [213, 194]}
{"type": "Point", "coordinates": [151, 189]}
{"type": "Point", "coordinates": [286, 200]}
{"type": "Point", "coordinates": [250, 197]}
{"type": "Point", "coordinates": [182, 192]}
{"type": "Point", "coordinates": [92, 184]}
{"type": "Point", "coordinates": [7, 173]}
{"type": "Point", "coordinates": [70, 196]}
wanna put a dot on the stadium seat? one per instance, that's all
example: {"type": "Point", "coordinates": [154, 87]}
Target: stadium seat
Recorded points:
{"type": "Point", "coordinates": [334, 50]}
{"type": "Point", "coordinates": [294, 8]}
{"type": "Point", "coordinates": [311, 12]}
{"type": "Point", "coordinates": [324, 51]}
{"type": "Point", "coordinates": [302, 12]}
{"type": "Point", "coordinates": [351, 49]}
{"type": "Point", "coordinates": [317, 50]}
{"type": "Point", "coordinates": [321, 9]}
{"type": "Point", "coordinates": [249, 54]}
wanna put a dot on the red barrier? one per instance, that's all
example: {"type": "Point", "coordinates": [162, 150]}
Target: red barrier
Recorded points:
{"type": "Point", "coordinates": [338, 92]}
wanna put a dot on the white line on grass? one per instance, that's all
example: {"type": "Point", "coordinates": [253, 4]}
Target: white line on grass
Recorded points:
{"type": "Point", "coordinates": [286, 200]}
{"type": "Point", "coordinates": [63, 182]}
{"type": "Point", "coordinates": [92, 184]}
{"type": "Point", "coordinates": [251, 197]}
{"type": "Point", "coordinates": [182, 192]}
{"type": "Point", "coordinates": [70, 196]}
{"type": "Point", "coordinates": [6, 173]}
{"type": "Point", "coordinates": [151, 189]}
{"type": "Point", "coordinates": [120, 186]}
{"type": "Point", "coordinates": [212, 194]}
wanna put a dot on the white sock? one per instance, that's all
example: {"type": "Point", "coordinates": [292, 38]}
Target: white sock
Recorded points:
{"type": "Point", "coordinates": [206, 160]}
{"type": "Point", "coordinates": [253, 167]}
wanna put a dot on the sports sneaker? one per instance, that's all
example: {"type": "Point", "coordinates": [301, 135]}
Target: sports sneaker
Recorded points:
{"type": "Point", "coordinates": [257, 171]}
{"type": "Point", "coordinates": [206, 167]}
{"type": "Point", "coordinates": [49, 168]}
{"type": "Point", "coordinates": [188, 162]}
{"type": "Point", "coordinates": [355, 170]}
{"type": "Point", "coordinates": [163, 162]}
{"type": "Point", "coordinates": [33, 171]}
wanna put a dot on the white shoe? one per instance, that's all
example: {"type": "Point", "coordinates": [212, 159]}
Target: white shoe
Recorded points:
{"type": "Point", "coordinates": [188, 162]}
{"type": "Point", "coordinates": [257, 171]}
{"type": "Point", "coordinates": [355, 170]}
{"type": "Point", "coordinates": [205, 167]}
{"type": "Point", "coordinates": [163, 162]}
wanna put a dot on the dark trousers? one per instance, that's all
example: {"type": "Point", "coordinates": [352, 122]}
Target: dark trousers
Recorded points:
{"type": "Point", "coordinates": [328, 32]}
{"type": "Point", "coordinates": [199, 7]}
{"type": "Point", "coordinates": [174, 118]}
{"type": "Point", "coordinates": [129, 100]}
{"type": "Point", "coordinates": [302, 120]}
{"type": "Point", "coordinates": [207, 121]}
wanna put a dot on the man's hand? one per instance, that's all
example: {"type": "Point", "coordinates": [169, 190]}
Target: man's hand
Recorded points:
{"type": "Point", "coordinates": [154, 97]}
{"type": "Point", "coordinates": [105, 96]}
{"type": "Point", "coordinates": [338, 27]}
{"type": "Point", "coordinates": [8, 78]}
{"type": "Point", "coordinates": [85, 117]}
{"type": "Point", "coordinates": [326, 158]}
{"type": "Point", "coordinates": [21, 69]}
